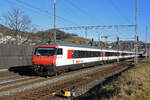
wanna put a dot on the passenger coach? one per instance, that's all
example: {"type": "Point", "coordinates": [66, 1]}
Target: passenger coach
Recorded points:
{"type": "Point", "coordinates": [50, 58]}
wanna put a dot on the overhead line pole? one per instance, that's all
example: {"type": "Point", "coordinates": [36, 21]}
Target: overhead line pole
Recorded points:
{"type": "Point", "coordinates": [118, 46]}
{"type": "Point", "coordinates": [136, 33]}
{"type": "Point", "coordinates": [146, 41]}
{"type": "Point", "coordinates": [54, 20]}
{"type": "Point", "coordinates": [99, 38]}
{"type": "Point", "coordinates": [86, 32]}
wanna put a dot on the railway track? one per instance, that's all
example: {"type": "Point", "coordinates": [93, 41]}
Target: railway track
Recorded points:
{"type": "Point", "coordinates": [7, 77]}
{"type": "Point", "coordinates": [67, 81]}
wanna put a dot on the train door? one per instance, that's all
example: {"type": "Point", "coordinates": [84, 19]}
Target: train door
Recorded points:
{"type": "Point", "coordinates": [59, 57]}
{"type": "Point", "coordinates": [103, 55]}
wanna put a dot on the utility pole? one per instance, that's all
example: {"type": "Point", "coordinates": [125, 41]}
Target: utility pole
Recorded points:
{"type": "Point", "coordinates": [146, 41]}
{"type": "Point", "coordinates": [136, 33]}
{"type": "Point", "coordinates": [54, 20]}
{"type": "Point", "coordinates": [118, 46]}
{"type": "Point", "coordinates": [105, 39]}
{"type": "Point", "coordinates": [99, 38]}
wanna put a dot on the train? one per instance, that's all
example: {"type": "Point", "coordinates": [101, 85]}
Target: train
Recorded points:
{"type": "Point", "coordinates": [54, 57]}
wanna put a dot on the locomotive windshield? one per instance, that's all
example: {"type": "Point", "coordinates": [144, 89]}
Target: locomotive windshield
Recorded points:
{"type": "Point", "coordinates": [42, 51]}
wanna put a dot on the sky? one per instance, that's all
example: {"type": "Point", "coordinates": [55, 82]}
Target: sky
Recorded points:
{"type": "Point", "coordinates": [85, 13]}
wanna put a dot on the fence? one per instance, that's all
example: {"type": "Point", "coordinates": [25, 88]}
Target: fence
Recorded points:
{"type": "Point", "coordinates": [15, 55]}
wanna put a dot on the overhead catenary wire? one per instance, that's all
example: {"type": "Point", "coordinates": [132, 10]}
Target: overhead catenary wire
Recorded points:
{"type": "Point", "coordinates": [38, 10]}
{"type": "Point", "coordinates": [45, 11]}
{"type": "Point", "coordinates": [117, 9]}
{"type": "Point", "coordinates": [84, 12]}
{"type": "Point", "coordinates": [32, 10]}
{"type": "Point", "coordinates": [27, 7]}
{"type": "Point", "coordinates": [79, 9]}
{"type": "Point", "coordinates": [31, 6]}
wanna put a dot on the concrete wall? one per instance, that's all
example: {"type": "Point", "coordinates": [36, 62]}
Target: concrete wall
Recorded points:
{"type": "Point", "coordinates": [15, 55]}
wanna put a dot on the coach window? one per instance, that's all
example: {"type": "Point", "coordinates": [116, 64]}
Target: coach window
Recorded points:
{"type": "Point", "coordinates": [88, 53]}
{"type": "Point", "coordinates": [123, 54]}
{"type": "Point", "coordinates": [59, 51]}
{"type": "Point", "coordinates": [77, 54]}
{"type": "Point", "coordinates": [117, 53]}
{"type": "Point", "coordinates": [74, 54]}
{"type": "Point", "coordinates": [92, 54]}
{"type": "Point", "coordinates": [98, 54]}
{"type": "Point", "coordinates": [107, 54]}
{"type": "Point", "coordinates": [110, 53]}
{"type": "Point", "coordinates": [82, 54]}
{"type": "Point", "coordinates": [114, 53]}
{"type": "Point", "coordinates": [85, 54]}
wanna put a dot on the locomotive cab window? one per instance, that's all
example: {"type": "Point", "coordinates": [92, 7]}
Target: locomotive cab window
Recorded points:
{"type": "Point", "coordinates": [59, 51]}
{"type": "Point", "coordinates": [45, 51]}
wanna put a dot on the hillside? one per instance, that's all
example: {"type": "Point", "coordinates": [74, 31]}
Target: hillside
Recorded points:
{"type": "Point", "coordinates": [40, 36]}
{"type": "Point", "coordinates": [47, 35]}
{"type": "Point", "coordinates": [3, 29]}
{"type": "Point", "coordinates": [62, 36]}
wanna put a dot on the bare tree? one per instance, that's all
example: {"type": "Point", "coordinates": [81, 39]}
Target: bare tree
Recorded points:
{"type": "Point", "coordinates": [17, 21]}
{"type": "Point", "coordinates": [33, 29]}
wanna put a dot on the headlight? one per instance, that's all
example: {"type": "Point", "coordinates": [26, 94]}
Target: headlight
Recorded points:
{"type": "Point", "coordinates": [34, 63]}
{"type": "Point", "coordinates": [50, 64]}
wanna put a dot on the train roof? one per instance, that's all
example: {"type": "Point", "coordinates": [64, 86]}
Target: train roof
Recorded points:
{"type": "Point", "coordinates": [69, 45]}
{"type": "Point", "coordinates": [77, 45]}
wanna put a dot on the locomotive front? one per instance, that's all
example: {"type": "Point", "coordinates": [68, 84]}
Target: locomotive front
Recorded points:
{"type": "Point", "coordinates": [44, 60]}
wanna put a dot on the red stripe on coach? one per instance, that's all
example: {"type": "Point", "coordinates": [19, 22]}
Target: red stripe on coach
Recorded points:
{"type": "Point", "coordinates": [70, 54]}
